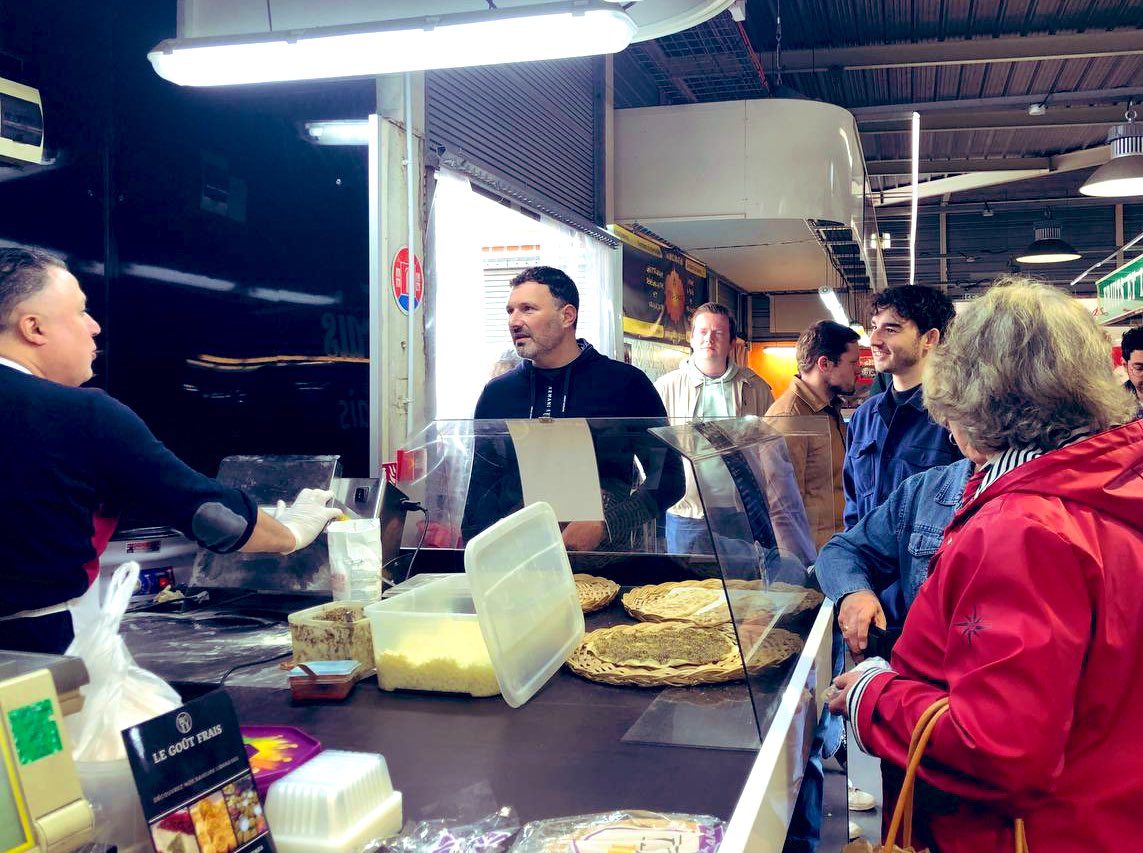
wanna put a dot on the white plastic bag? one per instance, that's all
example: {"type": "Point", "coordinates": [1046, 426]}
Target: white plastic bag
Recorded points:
{"type": "Point", "coordinates": [119, 693]}
{"type": "Point", "coordinates": [355, 559]}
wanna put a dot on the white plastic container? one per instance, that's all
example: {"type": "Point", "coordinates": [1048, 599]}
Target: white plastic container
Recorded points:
{"type": "Point", "coordinates": [110, 788]}
{"type": "Point", "coordinates": [333, 803]}
{"type": "Point", "coordinates": [506, 625]}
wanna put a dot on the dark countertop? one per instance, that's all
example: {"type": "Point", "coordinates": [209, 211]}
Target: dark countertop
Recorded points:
{"type": "Point", "coordinates": [560, 754]}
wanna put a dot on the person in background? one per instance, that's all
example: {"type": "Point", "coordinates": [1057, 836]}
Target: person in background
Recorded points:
{"type": "Point", "coordinates": [827, 367]}
{"type": "Point", "coordinates": [708, 384]}
{"type": "Point", "coordinates": [508, 360]}
{"type": "Point", "coordinates": [561, 376]}
{"type": "Point", "coordinates": [1132, 349]}
{"type": "Point", "coordinates": [74, 457]}
{"type": "Point", "coordinates": [1031, 618]}
{"type": "Point", "coordinates": [891, 435]}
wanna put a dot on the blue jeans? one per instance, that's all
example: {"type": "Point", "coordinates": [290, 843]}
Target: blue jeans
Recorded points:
{"type": "Point", "coordinates": [687, 535]}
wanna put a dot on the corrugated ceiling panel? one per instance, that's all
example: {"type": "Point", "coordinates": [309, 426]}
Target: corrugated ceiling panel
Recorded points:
{"type": "Point", "coordinates": [533, 123]}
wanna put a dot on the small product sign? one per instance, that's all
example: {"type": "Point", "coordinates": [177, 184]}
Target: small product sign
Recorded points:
{"type": "Point", "coordinates": [400, 278]}
{"type": "Point", "coordinates": [194, 780]}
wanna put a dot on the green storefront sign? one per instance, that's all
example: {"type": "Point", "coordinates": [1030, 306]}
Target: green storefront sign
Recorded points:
{"type": "Point", "coordinates": [1121, 292]}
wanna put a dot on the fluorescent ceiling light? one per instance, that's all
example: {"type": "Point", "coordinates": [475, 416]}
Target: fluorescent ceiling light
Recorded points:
{"type": "Point", "coordinates": [783, 351]}
{"type": "Point", "coordinates": [916, 123]}
{"type": "Point", "coordinates": [342, 132]}
{"type": "Point", "coordinates": [488, 37]}
{"type": "Point", "coordinates": [834, 305]}
{"type": "Point", "coordinates": [1048, 247]}
{"type": "Point", "coordinates": [1122, 175]}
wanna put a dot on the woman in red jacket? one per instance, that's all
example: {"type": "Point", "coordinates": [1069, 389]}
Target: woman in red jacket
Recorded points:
{"type": "Point", "coordinates": [1031, 620]}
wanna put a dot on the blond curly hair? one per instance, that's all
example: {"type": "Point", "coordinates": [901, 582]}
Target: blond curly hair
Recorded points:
{"type": "Point", "coordinates": [1024, 366]}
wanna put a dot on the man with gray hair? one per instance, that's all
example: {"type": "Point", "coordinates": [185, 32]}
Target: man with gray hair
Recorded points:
{"type": "Point", "coordinates": [81, 457]}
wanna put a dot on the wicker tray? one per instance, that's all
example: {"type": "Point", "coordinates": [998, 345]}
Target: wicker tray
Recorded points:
{"type": "Point", "coordinates": [775, 648]}
{"type": "Point", "coordinates": [704, 603]}
{"type": "Point", "coordinates": [594, 593]}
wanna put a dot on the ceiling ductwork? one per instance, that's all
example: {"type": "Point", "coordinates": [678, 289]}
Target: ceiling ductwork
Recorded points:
{"type": "Point", "coordinates": [770, 193]}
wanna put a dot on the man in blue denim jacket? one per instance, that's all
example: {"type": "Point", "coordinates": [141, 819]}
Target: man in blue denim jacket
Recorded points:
{"type": "Point", "coordinates": [891, 436]}
{"type": "Point", "coordinates": [894, 543]}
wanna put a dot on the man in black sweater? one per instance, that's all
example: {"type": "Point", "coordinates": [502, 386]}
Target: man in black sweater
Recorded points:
{"type": "Point", "coordinates": [72, 458]}
{"type": "Point", "coordinates": [565, 377]}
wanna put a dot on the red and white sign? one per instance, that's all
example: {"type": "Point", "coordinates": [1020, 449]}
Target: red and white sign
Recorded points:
{"type": "Point", "coordinates": [400, 278]}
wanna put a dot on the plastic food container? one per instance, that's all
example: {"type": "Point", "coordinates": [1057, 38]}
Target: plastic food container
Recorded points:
{"type": "Point", "coordinates": [275, 751]}
{"type": "Point", "coordinates": [337, 630]}
{"type": "Point", "coordinates": [506, 625]}
{"type": "Point", "coordinates": [333, 804]}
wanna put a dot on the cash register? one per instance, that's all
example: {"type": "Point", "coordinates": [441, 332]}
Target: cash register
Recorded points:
{"type": "Point", "coordinates": [42, 807]}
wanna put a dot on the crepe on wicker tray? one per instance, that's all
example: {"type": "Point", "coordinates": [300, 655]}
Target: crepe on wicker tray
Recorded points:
{"type": "Point", "coordinates": [704, 602]}
{"type": "Point", "coordinates": [594, 593]}
{"type": "Point", "coordinates": [659, 654]}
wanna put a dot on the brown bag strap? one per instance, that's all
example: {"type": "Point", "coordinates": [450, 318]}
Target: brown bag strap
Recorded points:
{"type": "Point", "coordinates": [920, 739]}
{"type": "Point", "coordinates": [903, 811]}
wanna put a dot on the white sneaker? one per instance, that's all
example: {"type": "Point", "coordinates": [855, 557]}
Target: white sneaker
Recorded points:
{"type": "Point", "coordinates": [854, 831]}
{"type": "Point", "coordinates": [859, 800]}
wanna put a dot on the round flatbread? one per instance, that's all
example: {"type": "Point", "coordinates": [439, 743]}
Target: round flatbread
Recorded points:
{"type": "Point", "coordinates": [704, 602]}
{"type": "Point", "coordinates": [659, 654]}
{"type": "Point", "coordinates": [594, 593]}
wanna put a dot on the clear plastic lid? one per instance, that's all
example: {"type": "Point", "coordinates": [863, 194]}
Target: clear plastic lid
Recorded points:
{"type": "Point", "coordinates": [525, 599]}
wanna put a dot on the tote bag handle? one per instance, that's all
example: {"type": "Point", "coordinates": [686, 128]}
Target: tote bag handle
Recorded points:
{"type": "Point", "coordinates": [903, 811]}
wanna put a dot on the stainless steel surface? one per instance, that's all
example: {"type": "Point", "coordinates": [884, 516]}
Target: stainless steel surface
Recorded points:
{"type": "Point", "coordinates": [269, 479]}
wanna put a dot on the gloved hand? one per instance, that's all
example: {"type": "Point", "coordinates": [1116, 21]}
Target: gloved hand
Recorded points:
{"type": "Point", "coordinates": [307, 516]}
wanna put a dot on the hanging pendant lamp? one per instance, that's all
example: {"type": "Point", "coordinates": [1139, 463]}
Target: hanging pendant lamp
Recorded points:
{"type": "Point", "coordinates": [1048, 247]}
{"type": "Point", "coordinates": [1122, 175]}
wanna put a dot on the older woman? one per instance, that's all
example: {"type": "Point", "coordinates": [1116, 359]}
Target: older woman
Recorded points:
{"type": "Point", "coordinates": [1031, 619]}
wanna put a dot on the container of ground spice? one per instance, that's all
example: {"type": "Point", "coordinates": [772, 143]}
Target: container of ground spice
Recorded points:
{"type": "Point", "coordinates": [337, 630]}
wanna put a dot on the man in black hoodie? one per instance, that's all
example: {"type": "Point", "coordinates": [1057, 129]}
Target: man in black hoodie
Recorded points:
{"type": "Point", "coordinates": [565, 377]}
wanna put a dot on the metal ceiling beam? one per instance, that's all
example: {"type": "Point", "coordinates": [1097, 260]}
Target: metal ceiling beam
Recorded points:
{"type": "Point", "coordinates": [997, 205]}
{"type": "Point", "coordinates": [946, 167]}
{"type": "Point", "coordinates": [954, 184]}
{"type": "Point", "coordinates": [997, 120]}
{"type": "Point", "coordinates": [1019, 102]}
{"type": "Point", "coordinates": [1091, 44]}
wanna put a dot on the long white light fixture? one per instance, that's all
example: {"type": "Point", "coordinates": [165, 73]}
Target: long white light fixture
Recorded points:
{"type": "Point", "coordinates": [549, 31]}
{"type": "Point", "coordinates": [915, 193]}
{"type": "Point", "coordinates": [833, 304]}
{"type": "Point", "coordinates": [350, 131]}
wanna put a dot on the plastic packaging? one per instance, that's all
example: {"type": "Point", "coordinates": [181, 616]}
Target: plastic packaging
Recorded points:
{"type": "Point", "coordinates": [490, 834]}
{"type": "Point", "coordinates": [355, 559]}
{"type": "Point", "coordinates": [333, 803]}
{"type": "Point", "coordinates": [275, 751]}
{"type": "Point", "coordinates": [647, 832]}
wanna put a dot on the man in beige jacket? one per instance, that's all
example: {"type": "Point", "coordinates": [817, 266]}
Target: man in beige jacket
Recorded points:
{"type": "Point", "coordinates": [827, 367]}
{"type": "Point", "coordinates": [707, 385]}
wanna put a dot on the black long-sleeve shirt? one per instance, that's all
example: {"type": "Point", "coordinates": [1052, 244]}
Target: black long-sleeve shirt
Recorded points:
{"type": "Point", "coordinates": [593, 387]}
{"type": "Point", "coordinates": [66, 454]}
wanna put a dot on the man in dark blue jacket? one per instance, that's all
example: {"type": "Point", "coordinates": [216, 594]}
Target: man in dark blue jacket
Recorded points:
{"type": "Point", "coordinates": [891, 436]}
{"type": "Point", "coordinates": [565, 377]}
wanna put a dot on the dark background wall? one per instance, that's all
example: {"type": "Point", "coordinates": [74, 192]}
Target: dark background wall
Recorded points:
{"type": "Point", "coordinates": [159, 190]}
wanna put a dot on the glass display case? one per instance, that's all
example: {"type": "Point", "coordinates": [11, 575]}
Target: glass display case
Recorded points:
{"type": "Point", "coordinates": [612, 483]}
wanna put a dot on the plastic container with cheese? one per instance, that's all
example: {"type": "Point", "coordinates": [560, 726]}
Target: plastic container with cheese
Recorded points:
{"type": "Point", "coordinates": [504, 626]}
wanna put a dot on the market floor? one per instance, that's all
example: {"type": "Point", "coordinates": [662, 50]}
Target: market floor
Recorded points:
{"type": "Point", "coordinates": [865, 771]}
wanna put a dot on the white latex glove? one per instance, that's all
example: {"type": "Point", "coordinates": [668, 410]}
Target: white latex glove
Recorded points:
{"type": "Point", "coordinates": [307, 516]}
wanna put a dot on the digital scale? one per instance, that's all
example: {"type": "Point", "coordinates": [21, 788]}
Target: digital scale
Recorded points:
{"type": "Point", "coordinates": [42, 806]}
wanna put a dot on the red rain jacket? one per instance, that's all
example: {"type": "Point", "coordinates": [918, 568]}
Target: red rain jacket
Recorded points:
{"type": "Point", "coordinates": [1031, 622]}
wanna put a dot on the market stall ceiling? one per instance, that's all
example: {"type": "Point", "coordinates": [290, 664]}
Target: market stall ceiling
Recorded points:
{"type": "Point", "coordinates": [972, 68]}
